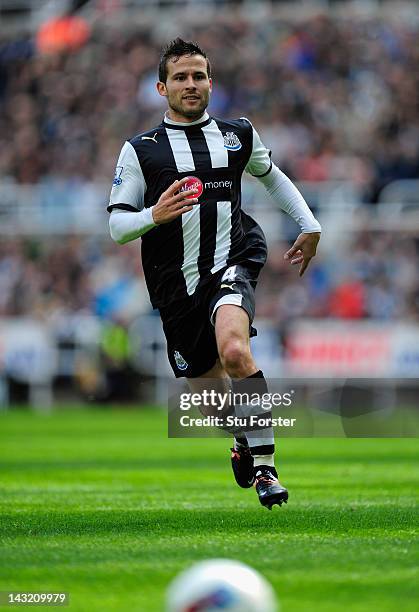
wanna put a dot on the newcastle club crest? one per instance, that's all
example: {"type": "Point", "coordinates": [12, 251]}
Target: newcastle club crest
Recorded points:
{"type": "Point", "coordinates": [180, 362]}
{"type": "Point", "coordinates": [232, 142]}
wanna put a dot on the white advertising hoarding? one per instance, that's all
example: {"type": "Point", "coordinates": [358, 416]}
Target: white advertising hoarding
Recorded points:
{"type": "Point", "coordinates": [27, 351]}
{"type": "Point", "coordinates": [358, 349]}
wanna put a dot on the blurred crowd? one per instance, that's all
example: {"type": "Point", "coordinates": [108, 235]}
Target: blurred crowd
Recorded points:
{"type": "Point", "coordinates": [333, 98]}
{"type": "Point", "coordinates": [52, 280]}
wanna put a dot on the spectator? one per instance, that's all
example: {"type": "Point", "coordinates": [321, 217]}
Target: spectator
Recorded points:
{"type": "Point", "coordinates": [333, 98]}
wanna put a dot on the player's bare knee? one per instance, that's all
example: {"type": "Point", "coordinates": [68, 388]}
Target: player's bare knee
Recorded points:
{"type": "Point", "coordinates": [235, 356]}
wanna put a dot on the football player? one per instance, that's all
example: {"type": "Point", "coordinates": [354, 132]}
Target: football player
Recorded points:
{"type": "Point", "coordinates": [178, 187]}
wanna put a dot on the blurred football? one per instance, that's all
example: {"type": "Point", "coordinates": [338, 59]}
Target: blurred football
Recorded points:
{"type": "Point", "coordinates": [220, 584]}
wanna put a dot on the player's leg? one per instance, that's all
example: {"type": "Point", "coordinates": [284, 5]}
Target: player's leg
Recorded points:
{"type": "Point", "coordinates": [232, 334]}
{"type": "Point", "coordinates": [215, 379]}
{"type": "Point", "coordinates": [192, 352]}
{"type": "Point", "coordinates": [232, 325]}
{"type": "Point", "coordinates": [233, 341]}
{"type": "Point", "coordinates": [221, 383]}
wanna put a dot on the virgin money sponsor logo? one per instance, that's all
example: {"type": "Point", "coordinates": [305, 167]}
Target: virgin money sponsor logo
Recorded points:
{"type": "Point", "coordinates": [219, 185]}
{"type": "Point", "coordinates": [193, 182]}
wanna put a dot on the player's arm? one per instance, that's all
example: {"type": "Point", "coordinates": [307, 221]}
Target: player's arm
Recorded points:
{"type": "Point", "coordinates": [286, 195]}
{"type": "Point", "coordinates": [129, 218]}
{"type": "Point", "coordinates": [126, 226]}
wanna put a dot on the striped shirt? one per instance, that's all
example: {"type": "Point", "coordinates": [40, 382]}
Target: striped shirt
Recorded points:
{"type": "Point", "coordinates": [180, 256]}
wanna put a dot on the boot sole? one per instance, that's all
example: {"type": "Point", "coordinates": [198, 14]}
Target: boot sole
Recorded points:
{"type": "Point", "coordinates": [275, 498]}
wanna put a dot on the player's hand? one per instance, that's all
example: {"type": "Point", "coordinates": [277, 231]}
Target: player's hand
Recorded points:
{"type": "Point", "coordinates": [172, 203]}
{"type": "Point", "coordinates": [303, 250]}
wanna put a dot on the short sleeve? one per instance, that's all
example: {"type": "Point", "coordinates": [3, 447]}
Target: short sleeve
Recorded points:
{"type": "Point", "coordinates": [259, 163]}
{"type": "Point", "coordinates": [128, 186]}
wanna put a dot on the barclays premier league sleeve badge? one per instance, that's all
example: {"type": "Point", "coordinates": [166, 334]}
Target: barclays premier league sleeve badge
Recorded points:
{"type": "Point", "coordinates": [117, 180]}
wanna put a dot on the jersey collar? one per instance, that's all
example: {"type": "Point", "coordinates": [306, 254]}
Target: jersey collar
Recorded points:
{"type": "Point", "coordinates": [180, 125]}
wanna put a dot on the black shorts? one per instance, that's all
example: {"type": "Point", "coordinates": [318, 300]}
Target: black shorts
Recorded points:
{"type": "Point", "coordinates": [189, 325]}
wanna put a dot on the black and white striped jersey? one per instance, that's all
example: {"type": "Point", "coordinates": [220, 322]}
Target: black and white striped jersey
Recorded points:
{"type": "Point", "coordinates": [180, 256]}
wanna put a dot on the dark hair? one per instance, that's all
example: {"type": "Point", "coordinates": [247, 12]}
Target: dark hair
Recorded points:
{"type": "Point", "coordinates": [175, 49]}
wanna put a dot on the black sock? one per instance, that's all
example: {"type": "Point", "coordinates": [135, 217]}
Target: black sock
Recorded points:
{"type": "Point", "coordinates": [256, 383]}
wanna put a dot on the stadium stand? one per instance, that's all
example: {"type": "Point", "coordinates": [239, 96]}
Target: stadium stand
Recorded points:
{"type": "Point", "coordinates": [335, 98]}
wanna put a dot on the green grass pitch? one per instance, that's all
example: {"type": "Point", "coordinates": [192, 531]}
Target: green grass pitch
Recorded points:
{"type": "Point", "coordinates": [101, 504]}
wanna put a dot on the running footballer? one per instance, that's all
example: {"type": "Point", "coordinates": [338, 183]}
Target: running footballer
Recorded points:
{"type": "Point", "coordinates": [178, 187]}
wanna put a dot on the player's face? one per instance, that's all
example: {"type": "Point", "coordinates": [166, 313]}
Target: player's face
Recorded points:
{"type": "Point", "coordinates": [187, 88]}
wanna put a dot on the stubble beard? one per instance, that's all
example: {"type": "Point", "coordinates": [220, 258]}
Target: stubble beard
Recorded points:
{"type": "Point", "coordinates": [194, 113]}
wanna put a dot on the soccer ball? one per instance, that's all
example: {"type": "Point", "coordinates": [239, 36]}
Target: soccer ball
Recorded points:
{"type": "Point", "coordinates": [220, 584]}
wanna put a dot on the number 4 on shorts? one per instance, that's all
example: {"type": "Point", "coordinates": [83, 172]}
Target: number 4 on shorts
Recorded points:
{"type": "Point", "coordinates": [229, 274]}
